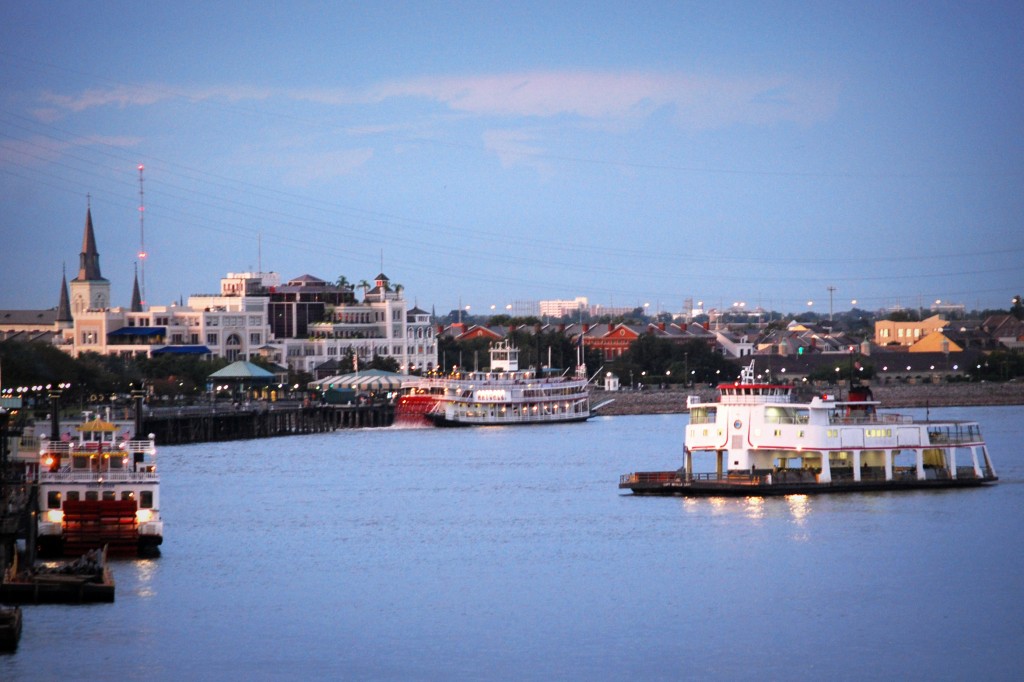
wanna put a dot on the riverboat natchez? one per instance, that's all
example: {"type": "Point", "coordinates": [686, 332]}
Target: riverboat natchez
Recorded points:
{"type": "Point", "coordinates": [764, 441]}
{"type": "Point", "coordinates": [99, 488]}
{"type": "Point", "coordinates": [504, 395]}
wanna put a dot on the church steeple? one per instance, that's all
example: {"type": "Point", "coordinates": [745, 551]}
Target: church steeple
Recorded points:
{"type": "Point", "coordinates": [89, 291]}
{"type": "Point", "coordinates": [136, 296]}
{"type": "Point", "coordinates": [89, 258]}
{"type": "Point", "coordinates": [64, 307]}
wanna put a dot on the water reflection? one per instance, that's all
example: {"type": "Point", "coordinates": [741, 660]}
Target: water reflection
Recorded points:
{"type": "Point", "coordinates": [145, 573]}
{"type": "Point", "coordinates": [754, 507]}
{"type": "Point", "coordinates": [799, 507]}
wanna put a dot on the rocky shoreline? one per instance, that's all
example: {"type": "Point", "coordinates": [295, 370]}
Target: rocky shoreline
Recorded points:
{"type": "Point", "coordinates": [673, 401]}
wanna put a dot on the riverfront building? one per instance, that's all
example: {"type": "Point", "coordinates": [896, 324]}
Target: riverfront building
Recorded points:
{"type": "Point", "coordinates": [301, 324]}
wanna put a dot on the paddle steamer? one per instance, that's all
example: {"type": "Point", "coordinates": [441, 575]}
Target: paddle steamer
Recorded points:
{"type": "Point", "coordinates": [98, 488]}
{"type": "Point", "coordinates": [504, 395]}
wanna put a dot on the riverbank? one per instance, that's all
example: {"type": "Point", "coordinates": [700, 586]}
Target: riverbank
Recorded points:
{"type": "Point", "coordinates": [673, 401]}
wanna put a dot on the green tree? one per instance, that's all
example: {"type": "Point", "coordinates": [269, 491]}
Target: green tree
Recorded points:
{"type": "Point", "coordinates": [665, 360]}
{"type": "Point", "coordinates": [385, 363]}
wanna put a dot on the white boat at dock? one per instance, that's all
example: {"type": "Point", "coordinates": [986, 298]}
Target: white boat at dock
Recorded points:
{"type": "Point", "coordinates": [99, 488]}
{"type": "Point", "coordinates": [504, 395]}
{"type": "Point", "coordinates": [764, 441]}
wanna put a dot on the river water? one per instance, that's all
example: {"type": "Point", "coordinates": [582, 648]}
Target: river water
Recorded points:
{"type": "Point", "coordinates": [510, 554]}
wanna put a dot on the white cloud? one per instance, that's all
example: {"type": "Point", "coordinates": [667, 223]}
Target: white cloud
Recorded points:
{"type": "Point", "coordinates": [124, 96]}
{"type": "Point", "coordinates": [699, 101]}
{"type": "Point", "coordinates": [513, 147]}
{"type": "Point", "coordinates": [39, 150]}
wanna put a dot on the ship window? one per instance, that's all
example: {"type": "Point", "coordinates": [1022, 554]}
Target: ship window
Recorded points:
{"type": "Point", "coordinates": [116, 463]}
{"type": "Point", "coordinates": [53, 499]}
{"type": "Point", "coordinates": [91, 496]}
{"type": "Point", "coordinates": [146, 499]}
{"type": "Point", "coordinates": [80, 461]}
{"type": "Point", "coordinates": [108, 495]}
{"type": "Point", "coordinates": [73, 496]}
{"type": "Point", "coordinates": [127, 495]}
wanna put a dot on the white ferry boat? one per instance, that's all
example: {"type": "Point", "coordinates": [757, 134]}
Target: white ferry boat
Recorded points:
{"type": "Point", "coordinates": [505, 395]}
{"type": "Point", "coordinates": [98, 488]}
{"type": "Point", "coordinates": [765, 442]}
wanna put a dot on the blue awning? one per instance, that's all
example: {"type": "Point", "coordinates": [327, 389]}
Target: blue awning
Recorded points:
{"type": "Point", "coordinates": [139, 331]}
{"type": "Point", "coordinates": [183, 350]}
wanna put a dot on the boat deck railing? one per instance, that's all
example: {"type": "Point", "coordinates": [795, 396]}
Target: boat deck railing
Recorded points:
{"type": "Point", "coordinates": [466, 382]}
{"type": "Point", "coordinates": [92, 476]}
{"type": "Point", "coordinates": [62, 447]}
{"type": "Point", "coordinates": [869, 418]}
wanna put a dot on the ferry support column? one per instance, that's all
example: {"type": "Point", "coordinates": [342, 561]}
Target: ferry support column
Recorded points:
{"type": "Point", "coordinates": [989, 469]}
{"type": "Point", "coordinates": [951, 462]}
{"type": "Point", "coordinates": [719, 455]}
{"type": "Point", "coordinates": [919, 457]}
{"type": "Point", "coordinates": [856, 466]}
{"type": "Point", "coordinates": [974, 459]}
{"type": "Point", "coordinates": [888, 465]}
{"type": "Point", "coordinates": [688, 464]}
{"type": "Point", "coordinates": [826, 468]}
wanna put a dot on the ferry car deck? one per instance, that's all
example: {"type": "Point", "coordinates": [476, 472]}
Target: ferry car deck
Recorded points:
{"type": "Point", "coordinates": [765, 442]}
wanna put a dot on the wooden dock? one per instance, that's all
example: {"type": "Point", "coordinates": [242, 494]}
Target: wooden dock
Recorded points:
{"type": "Point", "coordinates": [36, 585]}
{"type": "Point", "coordinates": [179, 426]}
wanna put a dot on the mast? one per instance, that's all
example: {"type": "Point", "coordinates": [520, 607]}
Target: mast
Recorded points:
{"type": "Point", "coordinates": [142, 237]}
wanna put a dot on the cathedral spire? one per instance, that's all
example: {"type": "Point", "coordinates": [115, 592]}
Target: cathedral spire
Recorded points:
{"type": "Point", "coordinates": [89, 259]}
{"type": "Point", "coordinates": [89, 291]}
{"type": "Point", "coordinates": [64, 307]}
{"type": "Point", "coordinates": [136, 296]}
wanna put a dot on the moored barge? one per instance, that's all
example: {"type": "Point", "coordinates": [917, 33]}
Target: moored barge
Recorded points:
{"type": "Point", "coordinates": [764, 441]}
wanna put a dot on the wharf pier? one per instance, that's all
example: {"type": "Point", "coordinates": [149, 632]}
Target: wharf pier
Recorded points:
{"type": "Point", "coordinates": [203, 424]}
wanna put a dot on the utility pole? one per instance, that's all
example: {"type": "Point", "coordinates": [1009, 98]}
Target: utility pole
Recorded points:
{"type": "Point", "coordinates": [831, 290]}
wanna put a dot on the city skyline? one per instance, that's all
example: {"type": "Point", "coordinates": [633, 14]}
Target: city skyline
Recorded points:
{"type": "Point", "coordinates": [481, 155]}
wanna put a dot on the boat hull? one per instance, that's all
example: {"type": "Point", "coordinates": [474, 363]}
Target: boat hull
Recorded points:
{"type": "Point", "coordinates": [671, 484]}
{"type": "Point", "coordinates": [440, 419]}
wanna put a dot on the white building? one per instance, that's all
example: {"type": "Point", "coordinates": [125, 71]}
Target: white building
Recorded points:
{"type": "Point", "coordinates": [220, 326]}
{"type": "Point", "coordinates": [380, 325]}
{"type": "Point", "coordinates": [235, 324]}
{"type": "Point", "coordinates": [561, 308]}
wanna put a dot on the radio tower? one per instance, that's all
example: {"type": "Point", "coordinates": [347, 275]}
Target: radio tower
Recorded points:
{"type": "Point", "coordinates": [142, 235]}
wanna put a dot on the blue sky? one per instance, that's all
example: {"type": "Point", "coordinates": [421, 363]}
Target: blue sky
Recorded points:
{"type": "Point", "coordinates": [627, 152]}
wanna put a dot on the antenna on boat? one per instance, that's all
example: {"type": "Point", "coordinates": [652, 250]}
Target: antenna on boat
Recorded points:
{"type": "Point", "coordinates": [747, 374]}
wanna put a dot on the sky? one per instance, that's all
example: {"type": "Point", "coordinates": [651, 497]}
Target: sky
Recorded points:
{"type": "Point", "coordinates": [795, 156]}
